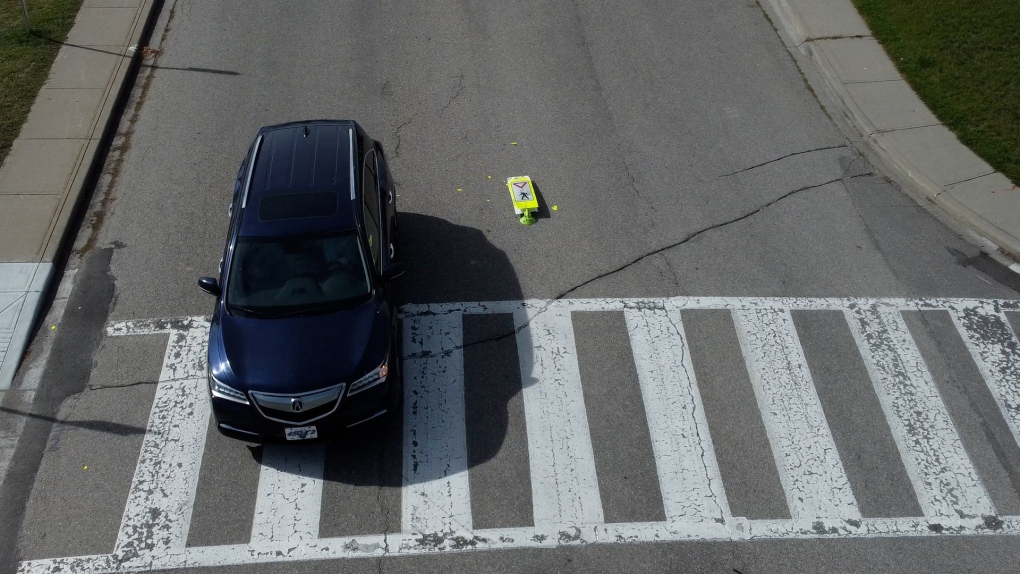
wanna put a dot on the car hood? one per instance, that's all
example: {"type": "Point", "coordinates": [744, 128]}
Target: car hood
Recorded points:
{"type": "Point", "coordinates": [299, 354]}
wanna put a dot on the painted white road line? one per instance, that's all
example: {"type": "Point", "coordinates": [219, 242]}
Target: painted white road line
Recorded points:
{"type": "Point", "coordinates": [945, 481]}
{"type": "Point", "coordinates": [996, 351]}
{"type": "Point", "coordinates": [436, 497]}
{"type": "Point", "coordinates": [809, 466]}
{"type": "Point", "coordinates": [155, 326]}
{"type": "Point", "coordinates": [158, 513]}
{"type": "Point", "coordinates": [396, 545]}
{"type": "Point", "coordinates": [564, 487]}
{"type": "Point", "coordinates": [290, 494]}
{"type": "Point", "coordinates": [160, 501]}
{"type": "Point", "coordinates": [706, 303]}
{"type": "Point", "coordinates": [689, 478]}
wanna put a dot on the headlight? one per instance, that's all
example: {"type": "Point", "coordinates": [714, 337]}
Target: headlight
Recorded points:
{"type": "Point", "coordinates": [373, 378]}
{"type": "Point", "coordinates": [222, 391]}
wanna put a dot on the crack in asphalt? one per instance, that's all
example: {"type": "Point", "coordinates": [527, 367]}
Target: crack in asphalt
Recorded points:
{"type": "Point", "coordinates": [456, 94]}
{"type": "Point", "coordinates": [396, 148]}
{"type": "Point", "coordinates": [634, 187]}
{"type": "Point", "coordinates": [702, 454]}
{"type": "Point", "coordinates": [124, 386]}
{"type": "Point", "coordinates": [669, 267]}
{"type": "Point", "coordinates": [694, 235]}
{"type": "Point", "coordinates": [782, 158]}
{"type": "Point", "coordinates": [688, 238]}
{"type": "Point", "coordinates": [169, 30]}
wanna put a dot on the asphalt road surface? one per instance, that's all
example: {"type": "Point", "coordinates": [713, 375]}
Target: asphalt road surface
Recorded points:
{"type": "Point", "coordinates": [728, 344]}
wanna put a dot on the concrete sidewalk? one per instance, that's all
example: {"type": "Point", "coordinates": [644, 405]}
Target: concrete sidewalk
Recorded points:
{"type": "Point", "coordinates": [59, 149]}
{"type": "Point", "coordinates": [56, 154]}
{"type": "Point", "coordinates": [897, 126]}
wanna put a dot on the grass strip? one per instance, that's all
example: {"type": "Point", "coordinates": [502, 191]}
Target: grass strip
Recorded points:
{"type": "Point", "coordinates": [25, 58]}
{"type": "Point", "coordinates": [962, 57]}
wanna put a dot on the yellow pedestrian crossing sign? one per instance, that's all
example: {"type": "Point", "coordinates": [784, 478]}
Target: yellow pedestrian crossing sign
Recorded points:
{"type": "Point", "coordinates": [522, 193]}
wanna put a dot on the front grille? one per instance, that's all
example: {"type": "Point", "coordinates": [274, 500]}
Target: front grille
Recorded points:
{"type": "Point", "coordinates": [301, 417]}
{"type": "Point", "coordinates": [313, 405]}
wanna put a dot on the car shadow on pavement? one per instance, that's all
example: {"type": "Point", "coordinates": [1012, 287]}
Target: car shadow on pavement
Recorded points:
{"type": "Point", "coordinates": [449, 263]}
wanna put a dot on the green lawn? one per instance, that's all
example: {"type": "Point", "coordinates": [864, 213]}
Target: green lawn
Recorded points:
{"type": "Point", "coordinates": [962, 57]}
{"type": "Point", "coordinates": [25, 59]}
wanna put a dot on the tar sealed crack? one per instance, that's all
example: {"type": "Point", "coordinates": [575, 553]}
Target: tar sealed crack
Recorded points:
{"type": "Point", "coordinates": [694, 235]}
{"type": "Point", "coordinates": [688, 238]}
{"type": "Point", "coordinates": [756, 166]}
{"type": "Point", "coordinates": [124, 386]}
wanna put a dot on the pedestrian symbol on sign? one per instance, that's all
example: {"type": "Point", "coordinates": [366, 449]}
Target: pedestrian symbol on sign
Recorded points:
{"type": "Point", "coordinates": [522, 193]}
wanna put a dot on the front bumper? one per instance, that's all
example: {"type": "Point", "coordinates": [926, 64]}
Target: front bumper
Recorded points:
{"type": "Point", "coordinates": [245, 422]}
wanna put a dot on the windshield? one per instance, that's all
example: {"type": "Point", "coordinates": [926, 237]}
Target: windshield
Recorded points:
{"type": "Point", "coordinates": [276, 276]}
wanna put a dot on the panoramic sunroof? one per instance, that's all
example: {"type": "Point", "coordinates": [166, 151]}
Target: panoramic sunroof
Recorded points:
{"type": "Point", "coordinates": [297, 205]}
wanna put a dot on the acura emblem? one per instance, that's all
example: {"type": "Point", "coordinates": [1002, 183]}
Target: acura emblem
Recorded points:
{"type": "Point", "coordinates": [297, 405]}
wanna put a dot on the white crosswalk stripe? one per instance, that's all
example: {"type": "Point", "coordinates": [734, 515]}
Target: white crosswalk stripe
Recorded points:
{"type": "Point", "coordinates": [566, 502]}
{"type": "Point", "coordinates": [809, 467]}
{"type": "Point", "coordinates": [688, 473]}
{"type": "Point", "coordinates": [996, 351]}
{"type": "Point", "coordinates": [945, 481]}
{"type": "Point", "coordinates": [565, 489]}
{"type": "Point", "coordinates": [436, 493]}
{"type": "Point", "coordinates": [289, 495]}
{"type": "Point", "coordinates": [158, 511]}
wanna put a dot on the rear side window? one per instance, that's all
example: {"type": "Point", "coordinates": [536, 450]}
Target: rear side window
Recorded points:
{"type": "Point", "coordinates": [370, 207]}
{"type": "Point", "coordinates": [297, 205]}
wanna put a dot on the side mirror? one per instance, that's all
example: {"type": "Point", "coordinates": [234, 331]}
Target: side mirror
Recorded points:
{"type": "Point", "coordinates": [209, 285]}
{"type": "Point", "coordinates": [392, 271]}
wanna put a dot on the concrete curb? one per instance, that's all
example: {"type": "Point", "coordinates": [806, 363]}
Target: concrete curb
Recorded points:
{"type": "Point", "coordinates": [27, 271]}
{"type": "Point", "coordinates": [106, 125]}
{"type": "Point", "coordinates": [896, 126]}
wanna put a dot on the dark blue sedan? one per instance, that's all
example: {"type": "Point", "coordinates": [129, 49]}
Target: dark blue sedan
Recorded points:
{"type": "Point", "coordinates": [304, 339]}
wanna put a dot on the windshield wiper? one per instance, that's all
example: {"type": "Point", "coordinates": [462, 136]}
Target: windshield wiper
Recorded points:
{"type": "Point", "coordinates": [249, 311]}
{"type": "Point", "coordinates": [304, 310]}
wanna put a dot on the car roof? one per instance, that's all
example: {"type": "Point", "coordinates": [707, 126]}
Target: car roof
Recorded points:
{"type": "Point", "coordinates": [302, 164]}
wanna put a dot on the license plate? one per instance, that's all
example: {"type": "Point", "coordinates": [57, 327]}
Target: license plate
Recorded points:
{"type": "Point", "coordinates": [301, 433]}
